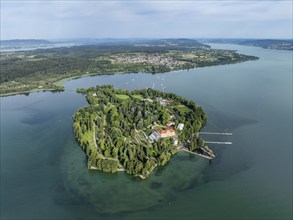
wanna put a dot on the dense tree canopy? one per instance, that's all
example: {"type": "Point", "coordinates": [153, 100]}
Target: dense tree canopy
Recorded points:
{"type": "Point", "coordinates": [113, 130]}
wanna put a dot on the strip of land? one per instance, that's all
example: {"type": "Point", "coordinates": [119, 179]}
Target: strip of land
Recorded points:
{"type": "Point", "coordinates": [43, 69]}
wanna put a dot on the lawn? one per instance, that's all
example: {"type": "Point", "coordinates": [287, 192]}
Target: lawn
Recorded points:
{"type": "Point", "coordinates": [137, 97]}
{"type": "Point", "coordinates": [158, 127]}
{"type": "Point", "coordinates": [188, 56]}
{"type": "Point", "coordinates": [182, 108]}
{"type": "Point", "coordinates": [123, 97]}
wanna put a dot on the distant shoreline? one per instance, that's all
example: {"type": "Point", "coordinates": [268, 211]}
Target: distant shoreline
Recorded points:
{"type": "Point", "coordinates": [47, 70]}
{"type": "Point", "coordinates": [64, 80]}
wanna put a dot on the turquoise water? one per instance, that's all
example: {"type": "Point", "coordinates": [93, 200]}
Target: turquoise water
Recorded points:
{"type": "Point", "coordinates": [44, 173]}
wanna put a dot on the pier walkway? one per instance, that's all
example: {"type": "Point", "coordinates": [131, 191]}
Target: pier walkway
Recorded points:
{"type": "Point", "coordinates": [215, 133]}
{"type": "Point", "coordinates": [217, 142]}
{"type": "Point", "coordinates": [201, 155]}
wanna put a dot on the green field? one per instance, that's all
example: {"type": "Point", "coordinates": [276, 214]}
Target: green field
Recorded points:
{"type": "Point", "coordinates": [123, 97]}
{"type": "Point", "coordinates": [137, 97]}
{"type": "Point", "coordinates": [182, 108]}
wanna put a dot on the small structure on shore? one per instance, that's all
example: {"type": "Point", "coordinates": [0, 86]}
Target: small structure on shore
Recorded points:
{"type": "Point", "coordinates": [180, 126]}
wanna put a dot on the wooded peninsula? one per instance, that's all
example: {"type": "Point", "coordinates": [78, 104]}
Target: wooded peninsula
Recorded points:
{"type": "Point", "coordinates": [135, 131]}
{"type": "Point", "coordinates": [43, 69]}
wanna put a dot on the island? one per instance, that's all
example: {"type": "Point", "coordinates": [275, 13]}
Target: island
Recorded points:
{"type": "Point", "coordinates": [46, 69]}
{"type": "Point", "coordinates": [136, 131]}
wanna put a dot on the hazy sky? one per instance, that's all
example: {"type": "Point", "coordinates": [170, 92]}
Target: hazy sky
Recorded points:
{"type": "Point", "coordinates": [123, 19]}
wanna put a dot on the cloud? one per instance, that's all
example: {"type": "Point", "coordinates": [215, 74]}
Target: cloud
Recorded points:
{"type": "Point", "coordinates": [99, 19]}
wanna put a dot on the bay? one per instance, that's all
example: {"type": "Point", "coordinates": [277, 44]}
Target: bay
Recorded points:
{"type": "Point", "coordinates": [44, 173]}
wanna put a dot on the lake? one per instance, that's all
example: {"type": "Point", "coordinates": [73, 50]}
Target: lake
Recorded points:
{"type": "Point", "coordinates": [44, 173]}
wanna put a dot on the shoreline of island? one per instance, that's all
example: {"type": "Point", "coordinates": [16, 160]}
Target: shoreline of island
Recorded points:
{"type": "Point", "coordinates": [136, 131]}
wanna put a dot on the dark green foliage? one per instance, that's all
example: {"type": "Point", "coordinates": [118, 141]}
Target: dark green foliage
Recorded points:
{"type": "Point", "coordinates": [26, 70]}
{"type": "Point", "coordinates": [120, 128]}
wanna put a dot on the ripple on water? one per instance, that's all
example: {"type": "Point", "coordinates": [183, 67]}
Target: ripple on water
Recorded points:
{"type": "Point", "coordinates": [119, 193]}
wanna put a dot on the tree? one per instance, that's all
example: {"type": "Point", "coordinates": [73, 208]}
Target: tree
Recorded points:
{"type": "Point", "coordinates": [139, 124]}
{"type": "Point", "coordinates": [107, 153]}
{"type": "Point", "coordinates": [119, 124]}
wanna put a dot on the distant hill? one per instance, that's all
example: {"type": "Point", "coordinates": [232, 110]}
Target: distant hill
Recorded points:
{"type": "Point", "coordinates": [270, 44]}
{"type": "Point", "coordinates": [220, 40]}
{"type": "Point", "coordinates": [24, 42]}
{"type": "Point", "coordinates": [181, 42]}
{"type": "Point", "coordinates": [264, 43]}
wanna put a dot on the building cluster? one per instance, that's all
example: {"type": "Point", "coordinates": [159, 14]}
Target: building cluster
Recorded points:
{"type": "Point", "coordinates": [163, 102]}
{"type": "Point", "coordinates": [161, 134]}
{"type": "Point", "coordinates": [155, 59]}
{"type": "Point", "coordinates": [169, 132]}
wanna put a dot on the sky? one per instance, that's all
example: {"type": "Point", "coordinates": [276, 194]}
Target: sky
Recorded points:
{"type": "Point", "coordinates": [145, 19]}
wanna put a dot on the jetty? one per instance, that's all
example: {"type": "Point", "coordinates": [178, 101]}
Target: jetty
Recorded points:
{"type": "Point", "coordinates": [217, 142]}
{"type": "Point", "coordinates": [215, 133]}
{"type": "Point", "coordinates": [195, 153]}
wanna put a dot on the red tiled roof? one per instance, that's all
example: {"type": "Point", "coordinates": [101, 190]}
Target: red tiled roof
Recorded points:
{"type": "Point", "coordinates": [168, 130]}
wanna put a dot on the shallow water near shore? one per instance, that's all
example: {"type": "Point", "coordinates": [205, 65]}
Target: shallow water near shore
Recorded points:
{"type": "Point", "coordinates": [44, 173]}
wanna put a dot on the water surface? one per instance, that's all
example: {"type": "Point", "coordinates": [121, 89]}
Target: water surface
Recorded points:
{"type": "Point", "coordinates": [44, 173]}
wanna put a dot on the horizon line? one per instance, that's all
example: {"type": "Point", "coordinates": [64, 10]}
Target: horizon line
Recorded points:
{"type": "Point", "coordinates": [125, 38]}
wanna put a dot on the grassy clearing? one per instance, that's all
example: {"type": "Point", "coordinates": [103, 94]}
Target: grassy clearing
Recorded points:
{"type": "Point", "coordinates": [158, 127]}
{"type": "Point", "coordinates": [123, 97]}
{"type": "Point", "coordinates": [182, 108]}
{"type": "Point", "coordinates": [109, 107]}
{"type": "Point", "coordinates": [188, 55]}
{"type": "Point", "coordinates": [137, 97]}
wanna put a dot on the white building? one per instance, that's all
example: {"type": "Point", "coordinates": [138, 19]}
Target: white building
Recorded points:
{"type": "Point", "coordinates": [155, 136]}
{"type": "Point", "coordinates": [180, 126]}
{"type": "Point", "coordinates": [148, 99]}
{"type": "Point", "coordinates": [170, 123]}
{"type": "Point", "coordinates": [175, 141]}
